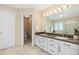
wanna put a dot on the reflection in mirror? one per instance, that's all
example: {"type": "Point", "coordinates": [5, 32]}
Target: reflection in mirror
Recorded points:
{"type": "Point", "coordinates": [65, 26]}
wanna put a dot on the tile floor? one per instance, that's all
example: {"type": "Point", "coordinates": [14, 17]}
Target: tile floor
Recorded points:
{"type": "Point", "coordinates": [26, 50]}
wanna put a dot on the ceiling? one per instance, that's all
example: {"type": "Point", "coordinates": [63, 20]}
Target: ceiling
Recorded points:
{"type": "Point", "coordinates": [66, 14]}
{"type": "Point", "coordinates": [36, 6]}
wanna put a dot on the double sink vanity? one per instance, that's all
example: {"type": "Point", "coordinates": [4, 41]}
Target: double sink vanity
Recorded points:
{"type": "Point", "coordinates": [56, 44]}
{"type": "Point", "coordinates": [59, 32]}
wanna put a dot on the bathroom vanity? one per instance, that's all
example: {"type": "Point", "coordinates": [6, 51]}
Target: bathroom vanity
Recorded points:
{"type": "Point", "coordinates": [59, 44]}
{"type": "Point", "coordinates": [56, 45]}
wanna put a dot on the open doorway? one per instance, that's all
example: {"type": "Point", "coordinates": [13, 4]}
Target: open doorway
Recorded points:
{"type": "Point", "coordinates": [27, 29]}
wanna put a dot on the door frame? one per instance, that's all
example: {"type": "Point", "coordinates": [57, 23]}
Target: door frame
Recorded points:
{"type": "Point", "coordinates": [22, 28]}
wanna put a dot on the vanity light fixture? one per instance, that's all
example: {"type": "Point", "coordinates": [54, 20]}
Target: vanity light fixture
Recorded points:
{"type": "Point", "coordinates": [56, 10]}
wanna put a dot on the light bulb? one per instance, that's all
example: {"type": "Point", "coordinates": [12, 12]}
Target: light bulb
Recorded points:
{"type": "Point", "coordinates": [59, 8]}
{"type": "Point", "coordinates": [44, 14]}
{"type": "Point", "coordinates": [64, 7]}
{"type": "Point", "coordinates": [47, 13]}
{"type": "Point", "coordinates": [55, 11]}
{"type": "Point", "coordinates": [51, 12]}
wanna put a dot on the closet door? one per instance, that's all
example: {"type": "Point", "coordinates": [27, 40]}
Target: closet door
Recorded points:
{"type": "Point", "coordinates": [8, 29]}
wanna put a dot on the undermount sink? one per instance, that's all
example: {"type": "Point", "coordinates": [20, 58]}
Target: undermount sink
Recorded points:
{"type": "Point", "coordinates": [64, 38]}
{"type": "Point", "coordinates": [44, 34]}
{"type": "Point", "coordinates": [61, 37]}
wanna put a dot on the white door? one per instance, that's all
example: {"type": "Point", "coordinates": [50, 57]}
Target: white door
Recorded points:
{"type": "Point", "coordinates": [8, 29]}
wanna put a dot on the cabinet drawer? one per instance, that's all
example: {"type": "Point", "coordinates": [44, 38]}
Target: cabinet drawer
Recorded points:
{"type": "Point", "coordinates": [43, 40]}
{"type": "Point", "coordinates": [70, 45]}
{"type": "Point", "coordinates": [53, 51]}
{"type": "Point", "coordinates": [52, 42]}
{"type": "Point", "coordinates": [52, 48]}
{"type": "Point", "coordinates": [52, 45]}
{"type": "Point", "coordinates": [37, 37]}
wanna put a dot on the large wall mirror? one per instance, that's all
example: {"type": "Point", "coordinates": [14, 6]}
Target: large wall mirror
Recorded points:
{"type": "Point", "coordinates": [64, 22]}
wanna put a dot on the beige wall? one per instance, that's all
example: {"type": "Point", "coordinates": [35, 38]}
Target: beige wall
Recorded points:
{"type": "Point", "coordinates": [38, 20]}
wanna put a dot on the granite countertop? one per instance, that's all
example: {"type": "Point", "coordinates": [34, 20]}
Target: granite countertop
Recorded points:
{"type": "Point", "coordinates": [70, 40]}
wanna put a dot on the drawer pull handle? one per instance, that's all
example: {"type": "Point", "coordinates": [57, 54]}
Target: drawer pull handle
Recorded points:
{"type": "Point", "coordinates": [67, 44]}
{"type": "Point", "coordinates": [52, 40]}
{"type": "Point", "coordinates": [52, 51]}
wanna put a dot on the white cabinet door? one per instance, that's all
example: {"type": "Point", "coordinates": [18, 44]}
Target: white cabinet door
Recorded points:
{"type": "Point", "coordinates": [41, 42]}
{"type": "Point", "coordinates": [53, 46]}
{"type": "Point", "coordinates": [44, 43]}
{"type": "Point", "coordinates": [8, 29]}
{"type": "Point", "coordinates": [67, 51]}
{"type": "Point", "coordinates": [36, 41]}
{"type": "Point", "coordinates": [71, 45]}
{"type": "Point", "coordinates": [68, 48]}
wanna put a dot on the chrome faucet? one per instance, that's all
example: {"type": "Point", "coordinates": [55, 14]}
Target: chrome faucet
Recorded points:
{"type": "Point", "coordinates": [62, 35]}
